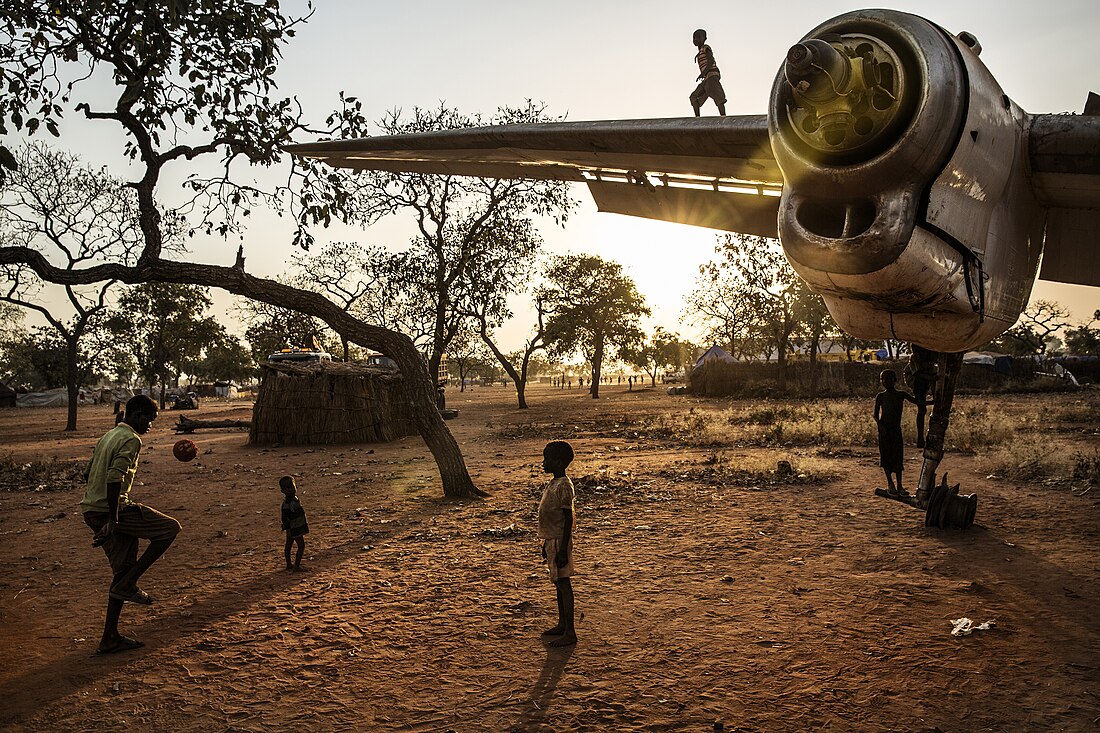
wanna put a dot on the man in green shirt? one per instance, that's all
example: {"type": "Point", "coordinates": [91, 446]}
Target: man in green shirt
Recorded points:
{"type": "Point", "coordinates": [118, 522]}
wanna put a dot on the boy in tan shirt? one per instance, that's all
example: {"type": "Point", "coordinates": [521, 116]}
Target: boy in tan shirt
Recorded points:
{"type": "Point", "coordinates": [556, 531]}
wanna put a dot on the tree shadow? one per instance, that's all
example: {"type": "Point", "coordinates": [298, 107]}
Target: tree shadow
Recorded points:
{"type": "Point", "coordinates": [542, 694]}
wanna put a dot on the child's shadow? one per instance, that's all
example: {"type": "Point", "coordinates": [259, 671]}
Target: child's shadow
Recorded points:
{"type": "Point", "coordinates": [543, 692]}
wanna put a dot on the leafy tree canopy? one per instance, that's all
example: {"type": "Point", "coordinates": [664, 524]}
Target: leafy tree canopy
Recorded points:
{"type": "Point", "coordinates": [594, 310]}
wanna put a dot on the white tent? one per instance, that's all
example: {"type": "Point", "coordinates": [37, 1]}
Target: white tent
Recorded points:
{"type": "Point", "coordinates": [714, 353]}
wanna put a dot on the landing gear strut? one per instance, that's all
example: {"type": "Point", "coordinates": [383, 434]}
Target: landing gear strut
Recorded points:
{"type": "Point", "coordinates": [943, 505]}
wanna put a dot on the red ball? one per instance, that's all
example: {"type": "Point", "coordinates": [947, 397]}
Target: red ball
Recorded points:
{"type": "Point", "coordinates": [185, 450]}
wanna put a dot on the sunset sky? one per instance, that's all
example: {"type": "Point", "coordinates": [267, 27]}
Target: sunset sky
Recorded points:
{"type": "Point", "coordinates": [612, 60]}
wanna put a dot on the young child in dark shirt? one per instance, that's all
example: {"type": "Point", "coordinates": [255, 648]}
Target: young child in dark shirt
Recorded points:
{"type": "Point", "coordinates": [293, 521]}
{"type": "Point", "coordinates": [888, 409]}
{"type": "Point", "coordinates": [556, 532]}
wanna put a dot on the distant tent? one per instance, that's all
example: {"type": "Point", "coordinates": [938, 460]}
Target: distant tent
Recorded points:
{"type": "Point", "coordinates": [108, 395]}
{"type": "Point", "coordinates": [714, 353]}
{"type": "Point", "coordinates": [999, 363]}
{"type": "Point", "coordinates": [225, 390]}
{"type": "Point", "coordinates": [50, 398]}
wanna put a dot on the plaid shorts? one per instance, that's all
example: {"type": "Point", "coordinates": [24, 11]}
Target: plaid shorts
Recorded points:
{"type": "Point", "coordinates": [709, 87]}
{"type": "Point", "coordinates": [135, 521]}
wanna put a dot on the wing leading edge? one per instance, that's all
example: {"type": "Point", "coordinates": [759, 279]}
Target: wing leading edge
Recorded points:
{"type": "Point", "coordinates": [716, 172]}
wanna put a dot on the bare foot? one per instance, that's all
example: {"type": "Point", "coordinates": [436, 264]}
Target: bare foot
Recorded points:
{"type": "Point", "coordinates": [567, 639]}
{"type": "Point", "coordinates": [554, 631]}
{"type": "Point", "coordinates": [118, 644]}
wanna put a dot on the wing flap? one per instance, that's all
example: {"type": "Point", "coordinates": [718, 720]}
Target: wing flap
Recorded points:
{"type": "Point", "coordinates": [749, 213]}
{"type": "Point", "coordinates": [1070, 254]}
{"type": "Point", "coordinates": [1065, 175]}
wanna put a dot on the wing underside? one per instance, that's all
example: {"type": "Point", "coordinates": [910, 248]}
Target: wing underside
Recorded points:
{"type": "Point", "coordinates": [716, 172]}
{"type": "Point", "coordinates": [1065, 175]}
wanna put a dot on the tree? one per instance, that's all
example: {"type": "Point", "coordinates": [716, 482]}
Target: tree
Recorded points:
{"type": "Point", "coordinates": [1034, 331]}
{"type": "Point", "coordinates": [772, 287]}
{"type": "Point", "coordinates": [483, 299]}
{"type": "Point", "coordinates": [347, 274]}
{"type": "Point", "coordinates": [37, 360]}
{"type": "Point", "coordinates": [594, 309]}
{"type": "Point", "coordinates": [461, 222]}
{"type": "Point", "coordinates": [518, 364]}
{"type": "Point", "coordinates": [224, 359]}
{"type": "Point", "coordinates": [11, 335]}
{"type": "Point", "coordinates": [270, 328]}
{"type": "Point", "coordinates": [202, 74]}
{"type": "Point", "coordinates": [750, 292]}
{"type": "Point", "coordinates": [1084, 340]}
{"type": "Point", "coordinates": [814, 322]}
{"type": "Point", "coordinates": [163, 327]}
{"type": "Point", "coordinates": [468, 354]}
{"type": "Point", "coordinates": [74, 215]}
{"type": "Point", "coordinates": [719, 303]}
{"type": "Point", "coordinates": [661, 351]}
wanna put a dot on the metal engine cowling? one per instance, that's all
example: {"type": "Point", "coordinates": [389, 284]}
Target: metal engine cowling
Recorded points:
{"type": "Point", "coordinates": [905, 202]}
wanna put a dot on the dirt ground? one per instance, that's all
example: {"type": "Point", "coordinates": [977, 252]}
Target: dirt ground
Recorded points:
{"type": "Point", "coordinates": [774, 606]}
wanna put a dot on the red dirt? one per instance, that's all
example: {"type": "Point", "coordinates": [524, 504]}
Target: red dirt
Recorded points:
{"type": "Point", "coordinates": [773, 607]}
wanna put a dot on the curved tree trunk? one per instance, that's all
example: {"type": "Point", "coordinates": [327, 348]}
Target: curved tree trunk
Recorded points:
{"type": "Point", "coordinates": [421, 388]}
{"type": "Point", "coordinates": [519, 378]}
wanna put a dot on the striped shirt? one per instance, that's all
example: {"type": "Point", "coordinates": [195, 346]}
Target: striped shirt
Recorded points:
{"type": "Point", "coordinates": [705, 59]}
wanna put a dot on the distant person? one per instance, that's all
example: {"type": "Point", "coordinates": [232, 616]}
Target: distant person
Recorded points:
{"type": "Point", "coordinates": [118, 523]}
{"type": "Point", "coordinates": [710, 78]}
{"type": "Point", "coordinates": [922, 363]}
{"type": "Point", "coordinates": [293, 521]}
{"type": "Point", "coordinates": [556, 532]}
{"type": "Point", "coordinates": [888, 409]}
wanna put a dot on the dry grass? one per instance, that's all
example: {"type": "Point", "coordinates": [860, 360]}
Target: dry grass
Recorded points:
{"type": "Point", "coordinates": [728, 469]}
{"type": "Point", "coordinates": [1078, 412]}
{"type": "Point", "coordinates": [824, 424]}
{"type": "Point", "coordinates": [1034, 459]}
{"type": "Point", "coordinates": [51, 475]}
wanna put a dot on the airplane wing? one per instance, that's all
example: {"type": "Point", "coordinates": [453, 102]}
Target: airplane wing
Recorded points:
{"type": "Point", "coordinates": [1065, 175]}
{"type": "Point", "coordinates": [716, 172]}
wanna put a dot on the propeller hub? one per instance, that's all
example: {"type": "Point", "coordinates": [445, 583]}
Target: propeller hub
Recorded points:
{"type": "Point", "coordinates": [846, 95]}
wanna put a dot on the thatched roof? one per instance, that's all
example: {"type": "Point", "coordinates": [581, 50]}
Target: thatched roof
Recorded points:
{"type": "Point", "coordinates": [328, 367]}
{"type": "Point", "coordinates": [329, 402]}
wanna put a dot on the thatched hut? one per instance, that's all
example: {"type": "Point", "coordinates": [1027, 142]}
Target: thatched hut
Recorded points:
{"type": "Point", "coordinates": [329, 402]}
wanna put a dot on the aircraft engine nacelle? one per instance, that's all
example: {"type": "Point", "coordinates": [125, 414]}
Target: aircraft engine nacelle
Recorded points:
{"type": "Point", "coordinates": [905, 199]}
